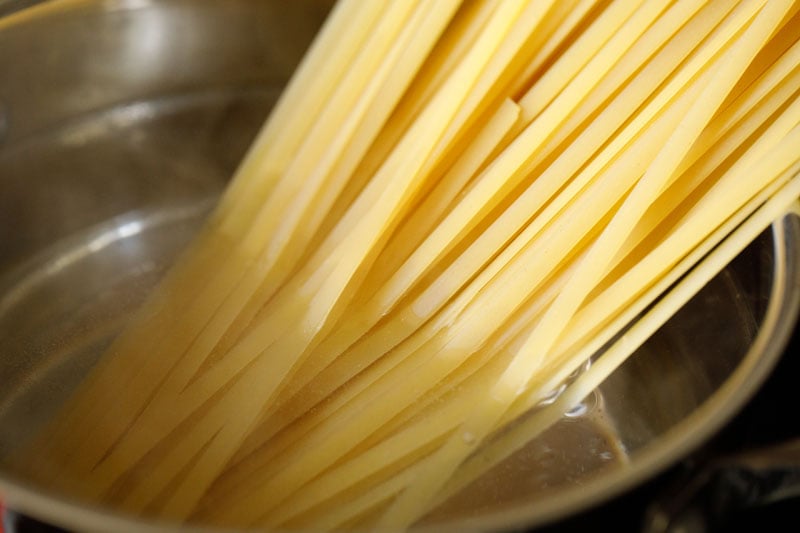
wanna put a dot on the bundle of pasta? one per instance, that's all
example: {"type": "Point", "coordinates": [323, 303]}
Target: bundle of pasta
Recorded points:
{"type": "Point", "coordinates": [454, 205]}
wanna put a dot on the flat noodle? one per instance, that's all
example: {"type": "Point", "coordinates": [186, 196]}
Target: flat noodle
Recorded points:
{"type": "Point", "coordinates": [780, 200]}
{"type": "Point", "coordinates": [406, 508]}
{"type": "Point", "coordinates": [453, 206]}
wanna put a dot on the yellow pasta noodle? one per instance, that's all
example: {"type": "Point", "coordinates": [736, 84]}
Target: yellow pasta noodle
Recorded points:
{"type": "Point", "coordinates": [454, 205]}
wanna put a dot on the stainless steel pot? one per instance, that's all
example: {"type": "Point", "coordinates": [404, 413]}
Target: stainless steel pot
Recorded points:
{"type": "Point", "coordinates": [121, 120]}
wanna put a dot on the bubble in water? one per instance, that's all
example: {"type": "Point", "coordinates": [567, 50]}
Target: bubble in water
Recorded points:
{"type": "Point", "coordinates": [551, 396]}
{"type": "Point", "coordinates": [578, 410]}
{"type": "Point", "coordinates": [582, 368]}
{"type": "Point", "coordinates": [588, 404]}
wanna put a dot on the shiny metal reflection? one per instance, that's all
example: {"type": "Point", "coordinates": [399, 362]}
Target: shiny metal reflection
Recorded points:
{"type": "Point", "coordinates": [127, 116]}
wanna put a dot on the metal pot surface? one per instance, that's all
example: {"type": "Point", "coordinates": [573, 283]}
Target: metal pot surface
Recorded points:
{"type": "Point", "coordinates": [121, 121]}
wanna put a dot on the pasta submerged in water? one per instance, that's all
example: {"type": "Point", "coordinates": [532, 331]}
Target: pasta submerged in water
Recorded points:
{"type": "Point", "coordinates": [453, 206]}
